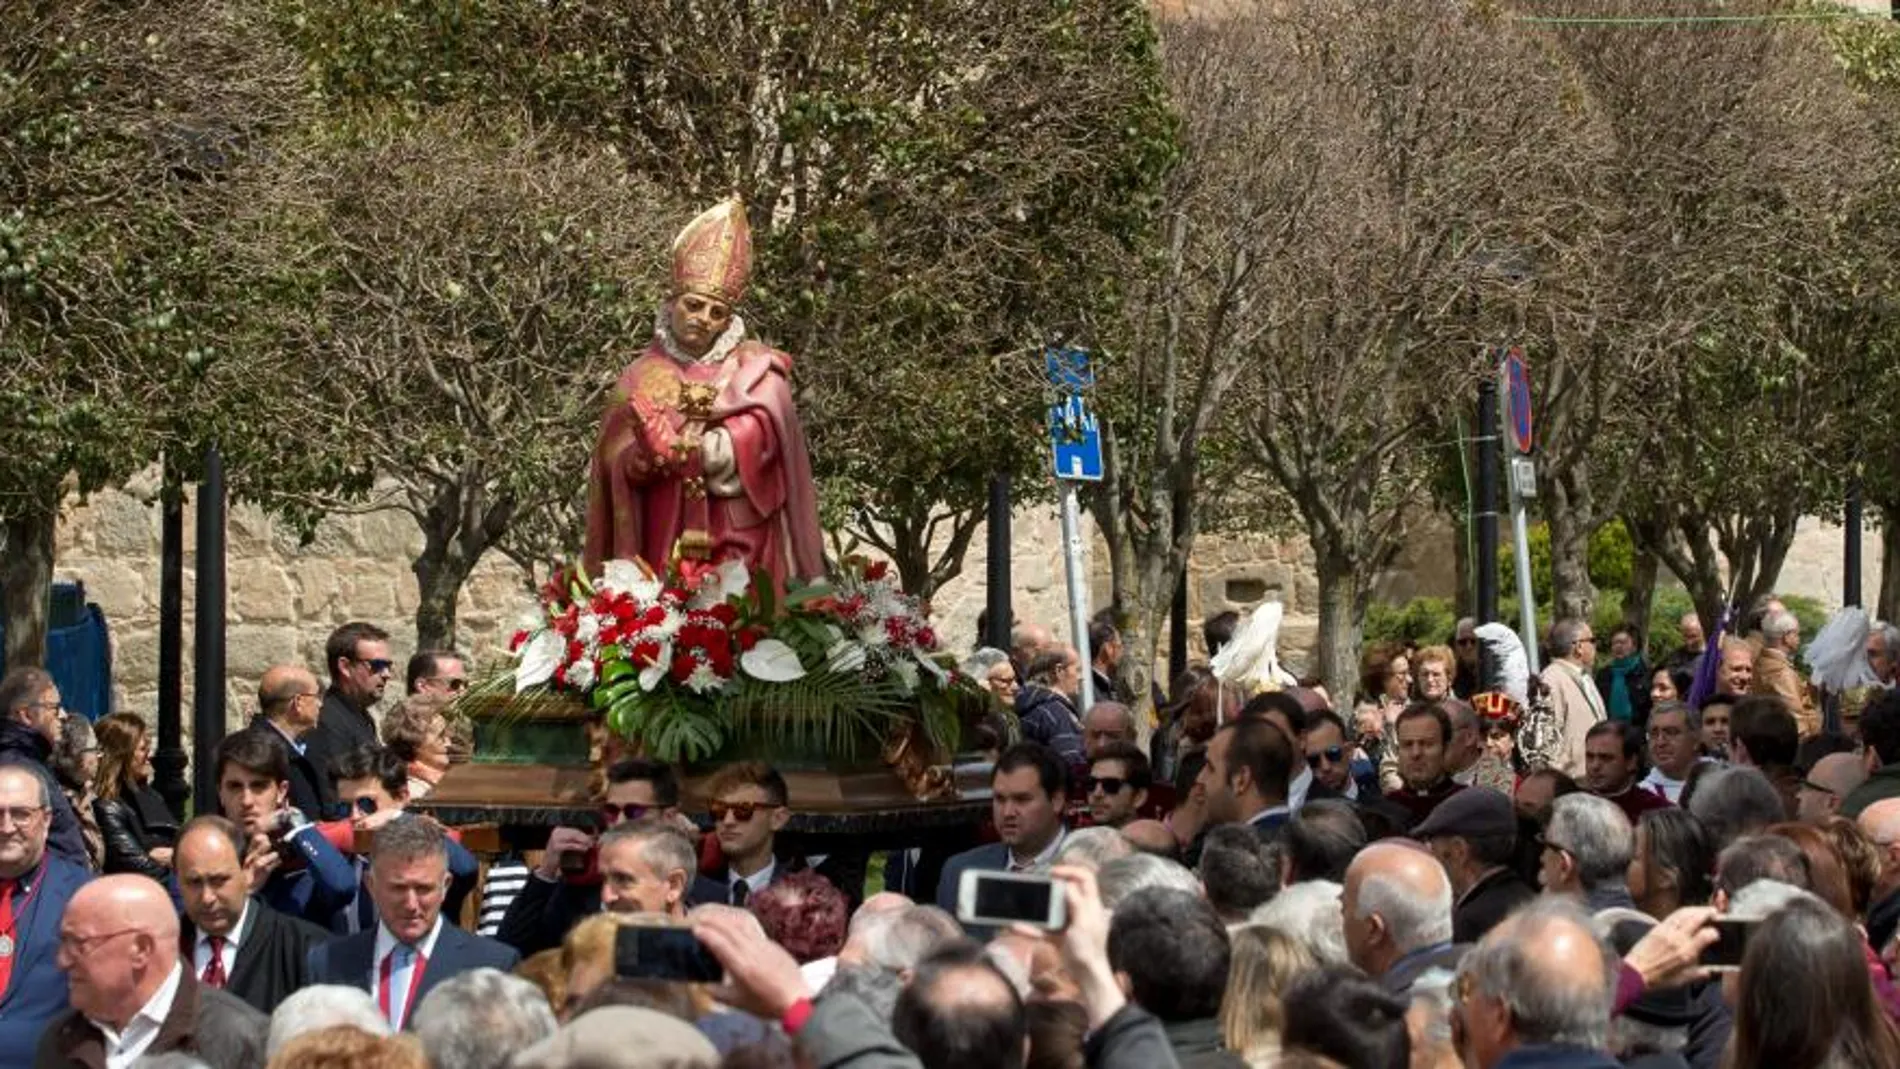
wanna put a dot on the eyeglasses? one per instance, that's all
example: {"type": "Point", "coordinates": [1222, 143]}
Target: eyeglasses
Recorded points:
{"type": "Point", "coordinates": [614, 814]}
{"type": "Point", "coordinates": [1809, 784]}
{"type": "Point", "coordinates": [1667, 733]}
{"type": "Point", "coordinates": [1546, 844]}
{"type": "Point", "coordinates": [1107, 784]}
{"type": "Point", "coordinates": [1331, 755]}
{"type": "Point", "coordinates": [455, 686]}
{"type": "Point", "coordinates": [376, 665]}
{"type": "Point", "coordinates": [80, 946]}
{"type": "Point", "coordinates": [742, 811]}
{"type": "Point", "coordinates": [19, 815]}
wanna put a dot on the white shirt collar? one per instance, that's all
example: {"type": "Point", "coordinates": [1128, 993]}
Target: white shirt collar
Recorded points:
{"type": "Point", "coordinates": [386, 941]}
{"type": "Point", "coordinates": [236, 935]}
{"type": "Point", "coordinates": [756, 882]}
{"type": "Point", "coordinates": [1042, 861]}
{"type": "Point", "coordinates": [123, 1048]}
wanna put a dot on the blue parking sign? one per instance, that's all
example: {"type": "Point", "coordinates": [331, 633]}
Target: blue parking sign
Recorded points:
{"type": "Point", "coordinates": [1075, 437]}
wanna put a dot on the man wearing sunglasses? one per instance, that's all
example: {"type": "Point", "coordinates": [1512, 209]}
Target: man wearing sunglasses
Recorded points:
{"type": "Point", "coordinates": [1117, 784]}
{"type": "Point", "coordinates": [374, 783]}
{"type": "Point", "coordinates": [357, 656]}
{"type": "Point", "coordinates": [565, 886]}
{"type": "Point", "coordinates": [1330, 758]}
{"type": "Point", "coordinates": [748, 810]}
{"type": "Point", "coordinates": [436, 672]}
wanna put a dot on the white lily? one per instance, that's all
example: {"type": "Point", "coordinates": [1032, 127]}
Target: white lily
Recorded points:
{"type": "Point", "coordinates": [538, 660]}
{"type": "Point", "coordinates": [772, 661]}
{"type": "Point", "coordinates": [627, 577]}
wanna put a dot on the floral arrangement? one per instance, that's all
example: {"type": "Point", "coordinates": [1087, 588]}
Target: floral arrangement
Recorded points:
{"type": "Point", "coordinates": [688, 661]}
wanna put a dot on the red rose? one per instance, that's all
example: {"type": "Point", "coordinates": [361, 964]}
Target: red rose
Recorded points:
{"type": "Point", "coordinates": [724, 613]}
{"type": "Point", "coordinates": [575, 651]}
{"type": "Point", "coordinates": [927, 638]}
{"type": "Point", "coordinates": [748, 639]}
{"type": "Point", "coordinates": [877, 570]}
{"type": "Point", "coordinates": [683, 667]}
{"type": "Point", "coordinates": [519, 640]}
{"type": "Point", "coordinates": [654, 616]}
{"type": "Point", "coordinates": [560, 676]}
{"type": "Point", "coordinates": [646, 654]}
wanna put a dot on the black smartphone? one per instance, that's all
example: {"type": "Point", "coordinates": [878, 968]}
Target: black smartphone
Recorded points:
{"type": "Point", "coordinates": [1726, 953]}
{"type": "Point", "coordinates": [664, 954]}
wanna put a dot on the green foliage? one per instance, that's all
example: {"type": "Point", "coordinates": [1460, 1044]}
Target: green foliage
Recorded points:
{"type": "Point", "coordinates": [1612, 556]}
{"type": "Point", "coordinates": [936, 186]}
{"type": "Point", "coordinates": [1425, 621]}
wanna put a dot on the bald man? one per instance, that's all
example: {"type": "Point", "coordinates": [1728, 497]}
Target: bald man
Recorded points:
{"type": "Point", "coordinates": [38, 884]}
{"type": "Point", "coordinates": [1397, 908]}
{"type": "Point", "coordinates": [1152, 837]}
{"type": "Point", "coordinates": [1830, 781]}
{"type": "Point", "coordinates": [118, 943]}
{"type": "Point", "coordinates": [289, 702]}
{"type": "Point", "coordinates": [1541, 973]}
{"type": "Point", "coordinates": [230, 939]}
{"type": "Point", "coordinates": [1881, 823]}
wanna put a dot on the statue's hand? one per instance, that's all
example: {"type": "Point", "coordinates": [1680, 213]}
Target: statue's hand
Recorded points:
{"type": "Point", "coordinates": [719, 464]}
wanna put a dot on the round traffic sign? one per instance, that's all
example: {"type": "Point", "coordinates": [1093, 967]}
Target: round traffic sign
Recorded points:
{"type": "Point", "coordinates": [1517, 384]}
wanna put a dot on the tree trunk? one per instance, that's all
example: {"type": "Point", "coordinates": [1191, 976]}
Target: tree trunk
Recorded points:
{"type": "Point", "coordinates": [26, 583]}
{"type": "Point", "coordinates": [459, 522]}
{"type": "Point", "coordinates": [1572, 595]}
{"type": "Point", "coordinates": [1342, 617]}
{"type": "Point", "coordinates": [1640, 593]}
{"type": "Point", "coordinates": [1888, 605]}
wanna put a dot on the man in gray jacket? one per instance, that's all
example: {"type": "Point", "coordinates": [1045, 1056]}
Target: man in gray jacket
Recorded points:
{"type": "Point", "coordinates": [839, 1032]}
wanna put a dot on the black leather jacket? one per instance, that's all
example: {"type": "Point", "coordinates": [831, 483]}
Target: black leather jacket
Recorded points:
{"type": "Point", "coordinates": [132, 826]}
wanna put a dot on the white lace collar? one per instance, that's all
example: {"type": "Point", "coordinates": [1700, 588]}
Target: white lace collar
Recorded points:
{"type": "Point", "coordinates": [722, 347]}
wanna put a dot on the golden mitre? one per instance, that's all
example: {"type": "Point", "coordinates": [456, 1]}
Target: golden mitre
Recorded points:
{"type": "Point", "coordinates": [712, 256]}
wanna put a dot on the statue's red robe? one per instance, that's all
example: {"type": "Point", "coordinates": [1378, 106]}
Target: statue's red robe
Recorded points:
{"type": "Point", "coordinates": [648, 486]}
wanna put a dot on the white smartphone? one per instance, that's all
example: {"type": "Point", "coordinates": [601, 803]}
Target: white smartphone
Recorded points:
{"type": "Point", "coordinates": [1002, 898]}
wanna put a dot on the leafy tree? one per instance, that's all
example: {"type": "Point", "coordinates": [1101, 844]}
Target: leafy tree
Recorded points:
{"type": "Point", "coordinates": [123, 335]}
{"type": "Point", "coordinates": [935, 187]}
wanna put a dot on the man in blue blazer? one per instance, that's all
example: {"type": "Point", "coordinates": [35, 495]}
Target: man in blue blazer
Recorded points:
{"type": "Point", "coordinates": [1028, 791]}
{"type": "Point", "coordinates": [411, 949]}
{"type": "Point", "coordinates": [298, 872]}
{"type": "Point", "coordinates": [34, 890]}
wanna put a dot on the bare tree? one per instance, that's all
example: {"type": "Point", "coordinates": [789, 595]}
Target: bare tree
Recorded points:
{"type": "Point", "coordinates": [1366, 170]}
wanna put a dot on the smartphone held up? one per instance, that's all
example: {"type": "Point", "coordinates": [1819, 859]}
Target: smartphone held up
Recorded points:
{"type": "Point", "coordinates": [1003, 898]}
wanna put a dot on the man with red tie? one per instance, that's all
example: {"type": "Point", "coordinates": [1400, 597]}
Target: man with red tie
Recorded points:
{"type": "Point", "coordinates": [34, 890]}
{"type": "Point", "coordinates": [411, 949]}
{"type": "Point", "coordinates": [229, 939]}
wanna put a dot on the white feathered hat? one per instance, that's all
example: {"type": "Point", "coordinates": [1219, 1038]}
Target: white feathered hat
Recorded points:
{"type": "Point", "coordinates": [1251, 662]}
{"type": "Point", "coordinates": [1510, 665]}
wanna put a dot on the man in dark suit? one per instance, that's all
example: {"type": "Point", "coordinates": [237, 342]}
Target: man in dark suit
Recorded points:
{"type": "Point", "coordinates": [1028, 792]}
{"type": "Point", "coordinates": [1248, 770]}
{"type": "Point", "coordinates": [119, 947]}
{"type": "Point", "coordinates": [230, 940]}
{"type": "Point", "coordinates": [291, 700]}
{"type": "Point", "coordinates": [411, 949]}
{"type": "Point", "coordinates": [565, 886]}
{"type": "Point", "coordinates": [357, 657]}
{"type": "Point", "coordinates": [34, 890]}
{"type": "Point", "coordinates": [1474, 835]}
{"type": "Point", "coordinates": [374, 783]}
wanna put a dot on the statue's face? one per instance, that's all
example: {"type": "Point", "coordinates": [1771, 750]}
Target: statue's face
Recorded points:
{"type": "Point", "coordinates": [697, 321]}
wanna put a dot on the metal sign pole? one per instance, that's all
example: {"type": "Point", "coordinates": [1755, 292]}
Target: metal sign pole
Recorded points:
{"type": "Point", "coordinates": [1078, 590]}
{"type": "Point", "coordinates": [1075, 440]}
{"type": "Point", "coordinates": [1517, 396]}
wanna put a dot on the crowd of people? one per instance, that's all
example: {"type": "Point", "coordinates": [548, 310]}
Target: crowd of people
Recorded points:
{"type": "Point", "coordinates": [1591, 872]}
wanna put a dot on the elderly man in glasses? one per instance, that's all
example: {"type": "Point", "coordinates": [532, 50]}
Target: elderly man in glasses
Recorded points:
{"type": "Point", "coordinates": [357, 656]}
{"type": "Point", "coordinates": [566, 885]}
{"type": "Point", "coordinates": [34, 888]}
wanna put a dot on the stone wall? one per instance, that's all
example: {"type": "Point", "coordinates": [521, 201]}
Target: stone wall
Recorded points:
{"type": "Point", "coordinates": [284, 598]}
